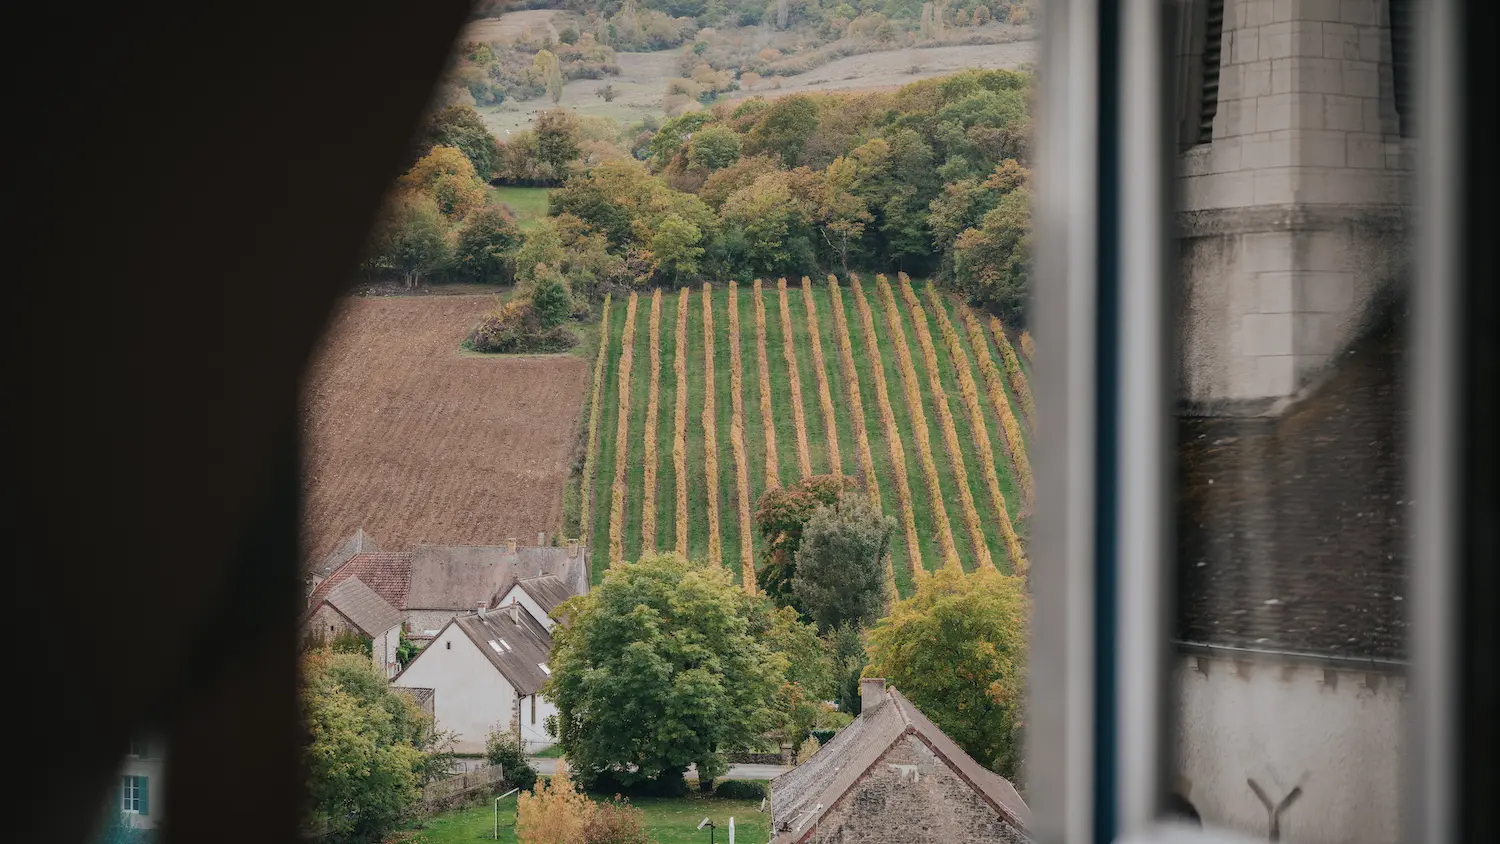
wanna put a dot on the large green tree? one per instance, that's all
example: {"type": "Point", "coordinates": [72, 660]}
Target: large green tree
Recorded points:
{"type": "Point", "coordinates": [957, 649]}
{"type": "Point", "coordinates": [557, 137]}
{"type": "Point", "coordinates": [840, 575]}
{"type": "Point", "coordinates": [675, 247]}
{"type": "Point", "coordinates": [657, 669]}
{"type": "Point", "coordinates": [461, 127]}
{"type": "Point", "coordinates": [413, 237]}
{"type": "Point", "coordinates": [781, 515]}
{"type": "Point", "coordinates": [369, 752]}
{"type": "Point", "coordinates": [784, 127]}
{"type": "Point", "coordinates": [714, 147]}
{"type": "Point", "coordinates": [487, 244]}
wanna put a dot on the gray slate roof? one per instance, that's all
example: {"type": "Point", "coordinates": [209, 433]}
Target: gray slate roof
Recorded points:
{"type": "Point", "coordinates": [1293, 529]}
{"type": "Point", "coordinates": [547, 590]}
{"type": "Point", "coordinates": [519, 648]}
{"type": "Point", "coordinates": [458, 577]}
{"type": "Point", "coordinates": [363, 606]}
{"type": "Point", "coordinates": [839, 765]}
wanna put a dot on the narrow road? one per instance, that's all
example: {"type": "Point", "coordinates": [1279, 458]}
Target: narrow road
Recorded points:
{"type": "Point", "coordinates": [547, 766]}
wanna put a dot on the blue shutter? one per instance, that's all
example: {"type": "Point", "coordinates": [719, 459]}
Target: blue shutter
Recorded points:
{"type": "Point", "coordinates": [141, 792]}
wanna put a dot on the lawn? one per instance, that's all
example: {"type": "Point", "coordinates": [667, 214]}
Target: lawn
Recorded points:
{"type": "Point", "coordinates": [528, 204]}
{"type": "Point", "coordinates": [670, 821]}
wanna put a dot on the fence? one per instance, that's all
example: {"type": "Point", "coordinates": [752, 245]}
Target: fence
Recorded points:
{"type": "Point", "coordinates": [440, 792]}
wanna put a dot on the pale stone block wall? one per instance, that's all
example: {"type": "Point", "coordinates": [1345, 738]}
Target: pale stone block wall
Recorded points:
{"type": "Point", "coordinates": [1305, 148]}
{"type": "Point", "coordinates": [1336, 734]}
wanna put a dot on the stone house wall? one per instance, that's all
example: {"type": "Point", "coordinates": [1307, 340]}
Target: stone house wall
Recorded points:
{"type": "Point", "coordinates": [911, 796]}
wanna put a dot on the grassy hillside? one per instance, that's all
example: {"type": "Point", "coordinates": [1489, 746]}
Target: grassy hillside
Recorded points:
{"type": "Point", "coordinates": [712, 463]}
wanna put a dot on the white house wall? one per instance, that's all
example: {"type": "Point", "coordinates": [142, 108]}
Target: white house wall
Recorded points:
{"type": "Point", "coordinates": [529, 604]}
{"type": "Point", "coordinates": [383, 651]}
{"type": "Point", "coordinates": [534, 731]}
{"type": "Point", "coordinates": [471, 696]}
{"type": "Point", "coordinates": [1337, 735]}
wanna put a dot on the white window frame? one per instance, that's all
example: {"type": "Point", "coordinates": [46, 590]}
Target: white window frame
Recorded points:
{"type": "Point", "coordinates": [1098, 761]}
{"type": "Point", "coordinates": [130, 794]}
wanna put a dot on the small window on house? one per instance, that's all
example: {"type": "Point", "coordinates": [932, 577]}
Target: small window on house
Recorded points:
{"type": "Point", "coordinates": [133, 791]}
{"type": "Point", "coordinates": [137, 748]}
{"type": "Point", "coordinates": [1213, 55]}
{"type": "Point", "coordinates": [449, 645]}
{"type": "Point", "coordinates": [545, 669]}
{"type": "Point", "coordinates": [533, 710]}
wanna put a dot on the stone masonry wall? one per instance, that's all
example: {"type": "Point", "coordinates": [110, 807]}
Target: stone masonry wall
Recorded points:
{"type": "Point", "coordinates": [328, 623]}
{"type": "Point", "coordinates": [911, 796]}
{"type": "Point", "coordinates": [1293, 213]}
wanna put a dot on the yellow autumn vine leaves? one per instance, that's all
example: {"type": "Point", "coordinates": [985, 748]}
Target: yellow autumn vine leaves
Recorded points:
{"type": "Point", "coordinates": [710, 430]}
{"type": "Point", "coordinates": [919, 424]}
{"type": "Point", "coordinates": [857, 408]}
{"type": "Point", "coordinates": [1013, 371]}
{"type": "Point", "coordinates": [653, 406]}
{"type": "Point", "coordinates": [970, 392]}
{"type": "Point", "coordinates": [586, 495]}
{"type": "Point", "coordinates": [1015, 447]}
{"type": "Point", "coordinates": [856, 401]}
{"type": "Point", "coordinates": [888, 425]}
{"type": "Point", "coordinates": [825, 394]}
{"type": "Point", "coordinates": [768, 421]}
{"type": "Point", "coordinates": [737, 442]}
{"type": "Point", "coordinates": [622, 434]}
{"type": "Point", "coordinates": [946, 425]}
{"type": "Point", "coordinates": [679, 433]}
{"type": "Point", "coordinates": [789, 351]}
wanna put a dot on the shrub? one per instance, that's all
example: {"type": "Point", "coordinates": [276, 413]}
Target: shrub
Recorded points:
{"type": "Point", "coordinates": [351, 642]}
{"type": "Point", "coordinates": [503, 747]}
{"type": "Point", "coordinates": [741, 789]}
{"type": "Point", "coordinates": [616, 822]}
{"type": "Point", "coordinates": [822, 736]}
{"type": "Point", "coordinates": [550, 297]}
{"type": "Point", "coordinates": [515, 328]}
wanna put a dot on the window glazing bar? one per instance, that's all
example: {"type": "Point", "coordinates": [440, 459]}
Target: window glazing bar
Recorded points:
{"type": "Point", "coordinates": [1437, 436]}
{"type": "Point", "coordinates": [1143, 380]}
{"type": "Point", "coordinates": [1060, 759]}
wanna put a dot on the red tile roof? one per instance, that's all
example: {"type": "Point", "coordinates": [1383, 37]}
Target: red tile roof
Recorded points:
{"type": "Point", "coordinates": [388, 573]}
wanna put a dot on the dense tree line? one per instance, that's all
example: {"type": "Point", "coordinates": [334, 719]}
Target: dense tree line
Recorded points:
{"type": "Point", "coordinates": [930, 179]}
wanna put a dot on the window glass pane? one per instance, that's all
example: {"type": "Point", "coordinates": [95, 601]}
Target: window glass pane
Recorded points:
{"type": "Point", "coordinates": [1289, 650]}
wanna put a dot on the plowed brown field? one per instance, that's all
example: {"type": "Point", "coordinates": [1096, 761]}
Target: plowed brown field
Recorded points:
{"type": "Point", "coordinates": [417, 442]}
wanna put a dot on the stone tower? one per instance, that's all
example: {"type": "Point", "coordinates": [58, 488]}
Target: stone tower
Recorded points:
{"type": "Point", "coordinates": [1294, 179]}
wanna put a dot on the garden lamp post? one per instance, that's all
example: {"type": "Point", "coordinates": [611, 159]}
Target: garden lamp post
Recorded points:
{"type": "Point", "coordinates": [711, 827]}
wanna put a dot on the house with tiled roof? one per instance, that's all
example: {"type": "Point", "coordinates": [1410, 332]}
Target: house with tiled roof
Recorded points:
{"type": "Point", "coordinates": [892, 775]}
{"type": "Point", "coordinates": [351, 606]}
{"type": "Point", "coordinates": [486, 668]}
{"type": "Point", "coordinates": [431, 584]}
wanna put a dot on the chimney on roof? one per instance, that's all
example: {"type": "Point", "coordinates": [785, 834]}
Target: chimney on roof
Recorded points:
{"type": "Point", "coordinates": [510, 544]}
{"type": "Point", "coordinates": [515, 612]}
{"type": "Point", "coordinates": [481, 609]}
{"type": "Point", "coordinates": [871, 693]}
{"type": "Point", "coordinates": [541, 539]}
